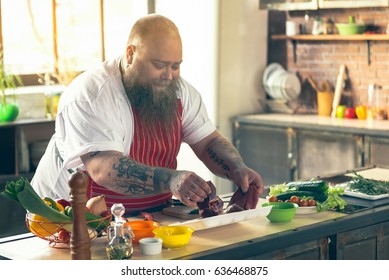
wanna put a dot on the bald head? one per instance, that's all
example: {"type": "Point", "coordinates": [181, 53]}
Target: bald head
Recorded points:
{"type": "Point", "coordinates": [152, 26]}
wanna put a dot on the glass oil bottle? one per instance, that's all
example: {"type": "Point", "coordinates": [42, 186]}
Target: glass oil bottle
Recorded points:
{"type": "Point", "coordinates": [119, 245]}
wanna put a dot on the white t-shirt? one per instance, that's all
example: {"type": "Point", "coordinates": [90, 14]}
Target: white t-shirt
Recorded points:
{"type": "Point", "coordinates": [94, 114]}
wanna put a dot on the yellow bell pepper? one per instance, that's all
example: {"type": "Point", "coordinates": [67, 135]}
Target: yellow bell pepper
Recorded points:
{"type": "Point", "coordinates": [42, 227]}
{"type": "Point", "coordinates": [361, 112]}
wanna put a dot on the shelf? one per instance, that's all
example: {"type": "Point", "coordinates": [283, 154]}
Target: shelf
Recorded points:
{"type": "Point", "coordinates": [333, 37]}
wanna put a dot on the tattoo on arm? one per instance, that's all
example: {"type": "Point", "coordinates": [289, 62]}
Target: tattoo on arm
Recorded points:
{"type": "Point", "coordinates": [231, 153]}
{"type": "Point", "coordinates": [135, 179]}
{"type": "Point", "coordinates": [217, 160]}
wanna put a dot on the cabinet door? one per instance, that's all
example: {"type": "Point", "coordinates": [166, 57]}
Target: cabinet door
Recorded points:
{"type": "Point", "coordinates": [324, 153]}
{"type": "Point", "coordinates": [311, 250]}
{"type": "Point", "coordinates": [377, 150]}
{"type": "Point", "coordinates": [267, 150]}
{"type": "Point", "coordinates": [352, 3]}
{"type": "Point", "coordinates": [368, 243]}
{"type": "Point", "coordinates": [288, 4]}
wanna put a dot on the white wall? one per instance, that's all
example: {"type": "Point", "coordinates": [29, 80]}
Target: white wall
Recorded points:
{"type": "Point", "coordinates": [242, 59]}
{"type": "Point", "coordinates": [197, 22]}
{"type": "Point", "coordinates": [224, 44]}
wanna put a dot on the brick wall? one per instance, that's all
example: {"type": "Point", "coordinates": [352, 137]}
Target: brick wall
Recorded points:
{"type": "Point", "coordinates": [322, 59]}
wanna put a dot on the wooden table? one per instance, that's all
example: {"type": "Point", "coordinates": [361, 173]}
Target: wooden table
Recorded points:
{"type": "Point", "coordinates": [323, 233]}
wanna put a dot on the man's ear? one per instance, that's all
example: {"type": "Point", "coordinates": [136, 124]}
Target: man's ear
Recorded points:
{"type": "Point", "coordinates": [130, 51]}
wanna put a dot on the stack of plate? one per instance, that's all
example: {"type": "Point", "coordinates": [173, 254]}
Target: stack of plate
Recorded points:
{"type": "Point", "coordinates": [281, 84]}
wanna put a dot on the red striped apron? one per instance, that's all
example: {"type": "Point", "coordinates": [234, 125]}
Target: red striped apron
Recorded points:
{"type": "Point", "coordinates": [152, 146]}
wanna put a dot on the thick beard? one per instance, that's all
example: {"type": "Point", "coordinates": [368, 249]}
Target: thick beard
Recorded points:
{"type": "Point", "coordinates": [153, 107]}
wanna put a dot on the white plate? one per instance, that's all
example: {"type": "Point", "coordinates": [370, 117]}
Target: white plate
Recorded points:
{"type": "Point", "coordinates": [365, 196]}
{"type": "Point", "coordinates": [226, 219]}
{"type": "Point", "coordinates": [361, 195]}
{"type": "Point", "coordinates": [306, 210]}
{"type": "Point", "coordinates": [269, 70]}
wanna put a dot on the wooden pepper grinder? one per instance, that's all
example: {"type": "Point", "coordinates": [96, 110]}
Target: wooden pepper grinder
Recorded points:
{"type": "Point", "coordinates": [80, 242]}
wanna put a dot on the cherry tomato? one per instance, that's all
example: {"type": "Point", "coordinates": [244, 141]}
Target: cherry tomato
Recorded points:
{"type": "Point", "coordinates": [295, 199]}
{"type": "Point", "coordinates": [312, 202]}
{"type": "Point", "coordinates": [288, 200]}
{"type": "Point", "coordinates": [273, 198]}
{"type": "Point", "coordinates": [303, 203]}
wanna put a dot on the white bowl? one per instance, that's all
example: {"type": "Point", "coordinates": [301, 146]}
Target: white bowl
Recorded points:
{"type": "Point", "coordinates": [150, 246]}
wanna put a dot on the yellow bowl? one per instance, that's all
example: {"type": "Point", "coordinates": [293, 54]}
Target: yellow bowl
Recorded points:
{"type": "Point", "coordinates": [174, 237]}
{"type": "Point", "coordinates": [142, 229]}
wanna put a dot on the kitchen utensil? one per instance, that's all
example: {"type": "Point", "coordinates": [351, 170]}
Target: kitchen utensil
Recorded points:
{"type": "Point", "coordinates": [351, 27]}
{"type": "Point", "coordinates": [313, 84]}
{"type": "Point", "coordinates": [225, 219]}
{"type": "Point", "coordinates": [150, 246]}
{"type": "Point", "coordinates": [174, 237]}
{"type": "Point", "coordinates": [291, 86]}
{"type": "Point", "coordinates": [56, 233]}
{"type": "Point", "coordinates": [142, 229]}
{"type": "Point", "coordinates": [338, 89]}
{"type": "Point", "coordinates": [281, 211]}
{"type": "Point", "coordinates": [182, 212]}
{"type": "Point", "coordinates": [266, 74]}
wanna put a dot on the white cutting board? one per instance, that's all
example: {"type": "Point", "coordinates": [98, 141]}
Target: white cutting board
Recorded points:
{"type": "Point", "coordinates": [226, 219]}
{"type": "Point", "coordinates": [182, 212]}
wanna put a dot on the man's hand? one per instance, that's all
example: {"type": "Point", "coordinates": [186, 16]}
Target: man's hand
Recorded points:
{"type": "Point", "coordinates": [189, 188]}
{"type": "Point", "coordinates": [244, 177]}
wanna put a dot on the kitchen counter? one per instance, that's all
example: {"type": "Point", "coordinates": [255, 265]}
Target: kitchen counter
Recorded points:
{"type": "Point", "coordinates": [321, 233]}
{"type": "Point", "coordinates": [315, 122]}
{"type": "Point", "coordinates": [296, 147]}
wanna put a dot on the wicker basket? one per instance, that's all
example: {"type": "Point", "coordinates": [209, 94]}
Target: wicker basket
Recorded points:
{"type": "Point", "coordinates": [58, 234]}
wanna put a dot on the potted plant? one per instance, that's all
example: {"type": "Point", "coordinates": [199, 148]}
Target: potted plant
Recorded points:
{"type": "Point", "coordinates": [8, 111]}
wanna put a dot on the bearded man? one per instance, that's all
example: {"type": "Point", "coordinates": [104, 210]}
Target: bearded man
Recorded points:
{"type": "Point", "coordinates": [123, 124]}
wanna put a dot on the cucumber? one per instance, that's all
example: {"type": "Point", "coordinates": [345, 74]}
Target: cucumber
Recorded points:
{"type": "Point", "coordinates": [318, 196]}
{"type": "Point", "coordinates": [312, 186]}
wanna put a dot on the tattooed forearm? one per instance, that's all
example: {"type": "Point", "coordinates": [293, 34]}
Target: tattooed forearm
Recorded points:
{"type": "Point", "coordinates": [143, 179]}
{"type": "Point", "coordinates": [217, 160]}
{"type": "Point", "coordinates": [224, 155]}
{"type": "Point", "coordinates": [162, 179]}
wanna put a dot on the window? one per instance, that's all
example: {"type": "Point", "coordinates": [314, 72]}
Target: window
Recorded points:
{"type": "Point", "coordinates": [56, 36]}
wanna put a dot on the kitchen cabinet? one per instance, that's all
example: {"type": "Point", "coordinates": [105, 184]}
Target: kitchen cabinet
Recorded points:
{"type": "Point", "coordinates": [285, 147]}
{"type": "Point", "coordinates": [268, 149]}
{"type": "Point", "coordinates": [327, 152]}
{"type": "Point", "coordinates": [17, 139]}
{"type": "Point", "coordinates": [19, 157]}
{"type": "Point", "coordinates": [294, 5]}
{"type": "Point", "coordinates": [367, 243]}
{"type": "Point", "coordinates": [311, 250]}
{"type": "Point", "coordinates": [376, 151]}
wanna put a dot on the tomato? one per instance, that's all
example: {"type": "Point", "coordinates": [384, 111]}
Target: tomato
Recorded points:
{"type": "Point", "coordinates": [295, 199]}
{"type": "Point", "coordinates": [273, 198]}
{"type": "Point", "coordinates": [311, 202]}
{"type": "Point", "coordinates": [303, 203]}
{"type": "Point", "coordinates": [64, 236]}
{"type": "Point", "coordinates": [349, 113]}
